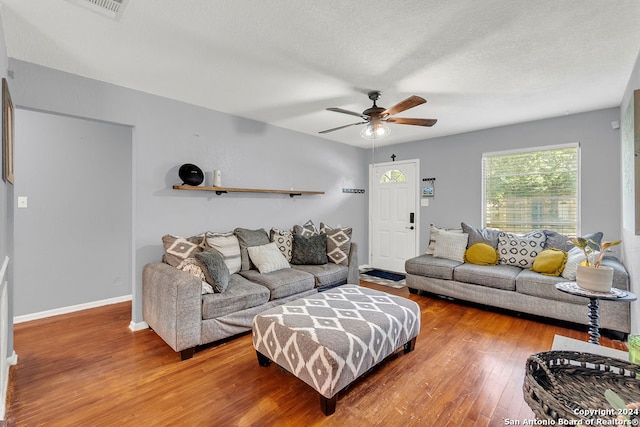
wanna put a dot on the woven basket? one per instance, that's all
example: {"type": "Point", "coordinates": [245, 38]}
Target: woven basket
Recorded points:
{"type": "Point", "coordinates": [571, 385]}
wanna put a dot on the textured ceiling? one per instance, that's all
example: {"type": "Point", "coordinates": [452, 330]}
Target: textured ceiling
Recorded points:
{"type": "Point", "coordinates": [479, 63]}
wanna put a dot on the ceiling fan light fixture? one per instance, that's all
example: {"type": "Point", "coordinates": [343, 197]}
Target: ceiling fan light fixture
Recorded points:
{"type": "Point", "coordinates": [377, 131]}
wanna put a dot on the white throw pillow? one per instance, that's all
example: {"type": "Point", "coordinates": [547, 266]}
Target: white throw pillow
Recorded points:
{"type": "Point", "coordinates": [433, 236]}
{"type": "Point", "coordinates": [574, 259]}
{"type": "Point", "coordinates": [518, 250]}
{"type": "Point", "coordinates": [451, 245]}
{"type": "Point", "coordinates": [267, 258]}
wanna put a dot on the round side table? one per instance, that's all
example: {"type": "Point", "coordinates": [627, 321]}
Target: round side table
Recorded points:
{"type": "Point", "coordinates": [594, 307]}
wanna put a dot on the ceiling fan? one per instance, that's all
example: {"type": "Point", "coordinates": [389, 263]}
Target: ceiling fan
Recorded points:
{"type": "Point", "coordinates": [375, 117]}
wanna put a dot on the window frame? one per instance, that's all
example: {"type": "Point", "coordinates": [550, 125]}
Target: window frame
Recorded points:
{"type": "Point", "coordinates": [575, 145]}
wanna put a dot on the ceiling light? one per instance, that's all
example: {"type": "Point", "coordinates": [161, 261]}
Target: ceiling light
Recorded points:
{"type": "Point", "coordinates": [374, 131]}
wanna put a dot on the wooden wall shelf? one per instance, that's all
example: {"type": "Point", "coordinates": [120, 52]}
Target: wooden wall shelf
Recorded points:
{"type": "Point", "coordinates": [222, 190]}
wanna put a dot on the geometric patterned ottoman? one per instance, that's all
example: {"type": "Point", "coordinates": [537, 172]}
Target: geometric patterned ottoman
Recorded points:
{"type": "Point", "coordinates": [331, 338]}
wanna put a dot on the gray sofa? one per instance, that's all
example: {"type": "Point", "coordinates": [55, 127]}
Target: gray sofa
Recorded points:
{"type": "Point", "coordinates": [518, 289]}
{"type": "Point", "coordinates": [175, 307]}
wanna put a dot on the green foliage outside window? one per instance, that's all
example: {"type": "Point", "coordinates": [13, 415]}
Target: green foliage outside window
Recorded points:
{"type": "Point", "coordinates": [532, 190]}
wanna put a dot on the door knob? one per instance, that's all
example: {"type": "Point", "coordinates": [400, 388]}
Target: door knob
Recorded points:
{"type": "Point", "coordinates": [410, 228]}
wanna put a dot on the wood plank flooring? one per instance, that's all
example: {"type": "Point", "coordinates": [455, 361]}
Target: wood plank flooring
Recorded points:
{"type": "Point", "coordinates": [88, 369]}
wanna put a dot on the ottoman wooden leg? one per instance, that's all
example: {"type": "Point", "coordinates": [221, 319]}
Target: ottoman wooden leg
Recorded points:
{"type": "Point", "coordinates": [262, 359]}
{"type": "Point", "coordinates": [328, 406]}
{"type": "Point", "coordinates": [410, 345]}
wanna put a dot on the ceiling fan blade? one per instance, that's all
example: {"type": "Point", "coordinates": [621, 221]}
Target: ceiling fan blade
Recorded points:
{"type": "Point", "coordinates": [415, 122]}
{"type": "Point", "coordinates": [342, 127]}
{"type": "Point", "coordinates": [410, 102]}
{"type": "Point", "coordinates": [353, 113]}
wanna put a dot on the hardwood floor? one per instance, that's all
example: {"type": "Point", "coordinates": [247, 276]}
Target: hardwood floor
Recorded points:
{"type": "Point", "coordinates": [88, 368]}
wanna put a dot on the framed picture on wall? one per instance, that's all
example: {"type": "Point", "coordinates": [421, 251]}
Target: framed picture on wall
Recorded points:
{"type": "Point", "coordinates": [7, 133]}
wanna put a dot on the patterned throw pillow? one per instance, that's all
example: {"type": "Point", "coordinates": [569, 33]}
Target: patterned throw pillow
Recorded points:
{"type": "Point", "coordinates": [267, 258]}
{"type": "Point", "coordinates": [192, 266]}
{"type": "Point", "coordinates": [228, 246]}
{"type": "Point", "coordinates": [283, 240]}
{"type": "Point", "coordinates": [338, 243]}
{"type": "Point", "coordinates": [306, 230]}
{"type": "Point", "coordinates": [177, 249]}
{"type": "Point", "coordinates": [451, 245]}
{"type": "Point", "coordinates": [520, 250]}
{"type": "Point", "coordinates": [433, 236]}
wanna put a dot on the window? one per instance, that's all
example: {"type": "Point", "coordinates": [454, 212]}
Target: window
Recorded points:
{"type": "Point", "coordinates": [393, 176]}
{"type": "Point", "coordinates": [532, 190]}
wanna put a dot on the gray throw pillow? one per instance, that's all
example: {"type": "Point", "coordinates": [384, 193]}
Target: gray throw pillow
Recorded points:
{"type": "Point", "coordinates": [248, 238]}
{"type": "Point", "coordinates": [560, 241]}
{"type": "Point", "coordinates": [481, 235]}
{"type": "Point", "coordinates": [215, 269]}
{"type": "Point", "coordinates": [310, 250]}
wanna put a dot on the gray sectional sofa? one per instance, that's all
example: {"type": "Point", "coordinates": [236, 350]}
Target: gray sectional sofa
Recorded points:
{"type": "Point", "coordinates": [514, 288]}
{"type": "Point", "coordinates": [177, 307]}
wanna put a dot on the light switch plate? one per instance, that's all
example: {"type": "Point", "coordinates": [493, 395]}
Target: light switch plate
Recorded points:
{"type": "Point", "coordinates": [22, 202]}
{"type": "Point", "coordinates": [424, 202]}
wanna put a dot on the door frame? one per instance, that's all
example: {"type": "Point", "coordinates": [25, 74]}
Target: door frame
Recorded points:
{"type": "Point", "coordinates": [415, 162]}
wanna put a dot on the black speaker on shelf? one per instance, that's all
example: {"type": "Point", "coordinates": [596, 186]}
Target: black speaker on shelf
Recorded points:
{"type": "Point", "coordinates": [191, 174]}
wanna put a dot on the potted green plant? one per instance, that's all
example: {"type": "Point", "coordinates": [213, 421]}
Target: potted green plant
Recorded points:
{"type": "Point", "coordinates": [591, 274]}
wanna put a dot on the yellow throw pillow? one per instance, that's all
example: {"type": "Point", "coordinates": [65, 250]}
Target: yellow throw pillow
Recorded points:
{"type": "Point", "coordinates": [481, 254]}
{"type": "Point", "coordinates": [550, 262]}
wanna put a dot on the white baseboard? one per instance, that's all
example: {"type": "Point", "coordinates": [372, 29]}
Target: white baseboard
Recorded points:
{"type": "Point", "coordinates": [70, 309]}
{"type": "Point", "coordinates": [138, 326]}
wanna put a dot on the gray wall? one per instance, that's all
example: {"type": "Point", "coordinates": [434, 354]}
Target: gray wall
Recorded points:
{"type": "Point", "coordinates": [168, 133]}
{"type": "Point", "coordinates": [455, 162]}
{"type": "Point", "coordinates": [74, 244]}
{"type": "Point", "coordinates": [6, 211]}
{"type": "Point", "coordinates": [631, 241]}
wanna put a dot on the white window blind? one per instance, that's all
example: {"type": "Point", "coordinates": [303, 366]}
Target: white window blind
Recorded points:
{"type": "Point", "coordinates": [532, 190]}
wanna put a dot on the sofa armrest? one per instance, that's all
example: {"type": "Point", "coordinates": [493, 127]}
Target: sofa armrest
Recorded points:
{"type": "Point", "coordinates": [353, 276]}
{"type": "Point", "coordinates": [172, 305]}
{"type": "Point", "coordinates": [620, 274]}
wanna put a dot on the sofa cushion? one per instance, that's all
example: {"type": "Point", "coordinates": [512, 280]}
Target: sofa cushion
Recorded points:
{"type": "Point", "coordinates": [550, 262]}
{"type": "Point", "coordinates": [451, 245]}
{"type": "Point", "coordinates": [227, 244]}
{"type": "Point", "coordinates": [283, 240]}
{"type": "Point", "coordinates": [493, 276]}
{"type": "Point", "coordinates": [327, 274]}
{"type": "Point", "coordinates": [520, 250]}
{"type": "Point", "coordinates": [481, 235]}
{"type": "Point", "coordinates": [311, 250]}
{"type": "Point", "coordinates": [481, 253]}
{"type": "Point", "coordinates": [215, 270]}
{"type": "Point", "coordinates": [433, 236]}
{"type": "Point", "coordinates": [282, 283]}
{"type": "Point", "coordinates": [428, 265]}
{"type": "Point", "coordinates": [240, 294]}
{"type": "Point", "coordinates": [531, 283]}
{"type": "Point", "coordinates": [267, 258]}
{"type": "Point", "coordinates": [248, 238]}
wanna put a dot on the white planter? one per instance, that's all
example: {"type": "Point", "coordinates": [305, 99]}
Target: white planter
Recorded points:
{"type": "Point", "coordinates": [595, 279]}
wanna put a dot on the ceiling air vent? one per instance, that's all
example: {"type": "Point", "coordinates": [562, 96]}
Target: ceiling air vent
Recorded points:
{"type": "Point", "coordinates": [111, 8]}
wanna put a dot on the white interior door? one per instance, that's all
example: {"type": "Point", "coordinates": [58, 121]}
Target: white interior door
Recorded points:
{"type": "Point", "coordinates": [393, 207]}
